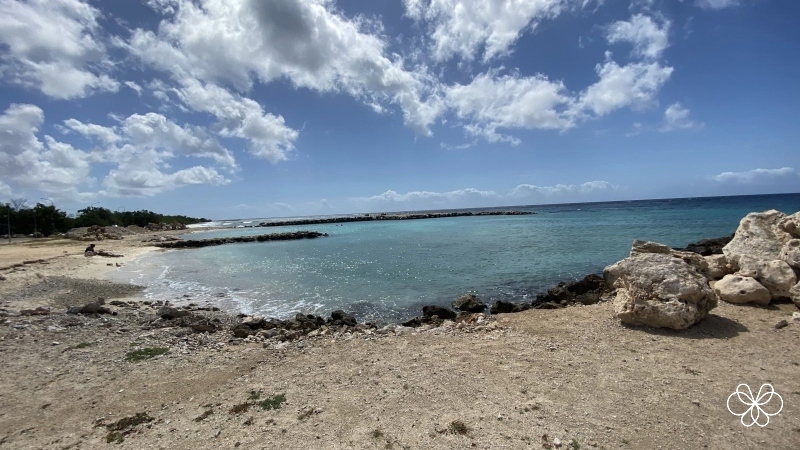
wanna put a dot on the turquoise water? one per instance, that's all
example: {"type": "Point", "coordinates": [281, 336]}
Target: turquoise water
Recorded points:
{"type": "Point", "coordinates": [385, 271]}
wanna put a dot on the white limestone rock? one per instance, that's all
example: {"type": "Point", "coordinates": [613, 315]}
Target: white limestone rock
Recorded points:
{"type": "Point", "coordinates": [759, 237]}
{"type": "Point", "coordinates": [778, 277]}
{"type": "Point", "coordinates": [718, 266]}
{"type": "Point", "coordinates": [739, 290]}
{"type": "Point", "coordinates": [794, 294]}
{"type": "Point", "coordinates": [659, 290]}
{"type": "Point", "coordinates": [791, 253]}
{"type": "Point", "coordinates": [791, 225]}
{"type": "Point", "coordinates": [695, 260]}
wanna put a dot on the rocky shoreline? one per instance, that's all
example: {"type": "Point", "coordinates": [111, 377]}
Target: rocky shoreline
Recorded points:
{"type": "Point", "coordinates": [384, 216]}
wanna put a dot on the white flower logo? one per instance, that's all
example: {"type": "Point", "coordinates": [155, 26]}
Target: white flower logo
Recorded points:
{"type": "Point", "coordinates": [754, 414]}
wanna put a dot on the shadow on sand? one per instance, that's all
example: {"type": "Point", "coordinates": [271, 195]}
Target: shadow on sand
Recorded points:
{"type": "Point", "coordinates": [712, 327]}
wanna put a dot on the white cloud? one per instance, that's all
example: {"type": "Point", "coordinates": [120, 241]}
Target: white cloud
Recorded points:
{"type": "Point", "coordinates": [139, 148]}
{"type": "Point", "coordinates": [92, 131]}
{"type": "Point", "coordinates": [676, 117]}
{"type": "Point", "coordinates": [491, 102]}
{"type": "Point", "coordinates": [634, 85]}
{"type": "Point", "coordinates": [756, 176]}
{"type": "Point", "coordinates": [716, 4]}
{"type": "Point", "coordinates": [133, 86]}
{"type": "Point", "coordinates": [307, 42]}
{"type": "Point", "coordinates": [391, 196]}
{"type": "Point", "coordinates": [5, 192]}
{"type": "Point", "coordinates": [649, 39]}
{"type": "Point", "coordinates": [51, 167]}
{"type": "Point", "coordinates": [53, 46]}
{"type": "Point", "coordinates": [240, 117]}
{"type": "Point", "coordinates": [155, 131]}
{"type": "Point", "coordinates": [524, 190]}
{"type": "Point", "coordinates": [467, 28]}
{"type": "Point", "coordinates": [133, 181]}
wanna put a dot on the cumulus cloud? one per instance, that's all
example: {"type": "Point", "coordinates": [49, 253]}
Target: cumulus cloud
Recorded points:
{"type": "Point", "coordinates": [649, 38]}
{"type": "Point", "coordinates": [27, 162]}
{"type": "Point", "coordinates": [471, 197]}
{"type": "Point", "coordinates": [633, 85]}
{"type": "Point", "coordinates": [716, 4]}
{"type": "Point", "coordinates": [523, 190]}
{"type": "Point", "coordinates": [139, 147]}
{"type": "Point", "coordinates": [391, 196]}
{"type": "Point", "coordinates": [490, 102]}
{"type": "Point", "coordinates": [757, 176]}
{"type": "Point", "coordinates": [308, 42]}
{"type": "Point", "coordinates": [676, 117]}
{"type": "Point", "coordinates": [467, 28]}
{"type": "Point", "coordinates": [54, 46]}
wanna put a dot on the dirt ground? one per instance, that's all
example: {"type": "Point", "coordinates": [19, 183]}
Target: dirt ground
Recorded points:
{"type": "Point", "coordinates": [569, 378]}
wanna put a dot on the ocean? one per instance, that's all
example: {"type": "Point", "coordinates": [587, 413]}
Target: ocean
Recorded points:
{"type": "Point", "coordinates": [384, 271]}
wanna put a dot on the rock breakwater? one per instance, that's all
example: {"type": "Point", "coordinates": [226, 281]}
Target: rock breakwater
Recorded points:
{"type": "Point", "coordinates": [384, 216]}
{"type": "Point", "coordinates": [197, 243]}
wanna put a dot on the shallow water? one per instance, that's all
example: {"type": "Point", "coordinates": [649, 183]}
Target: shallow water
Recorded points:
{"type": "Point", "coordinates": [384, 271]}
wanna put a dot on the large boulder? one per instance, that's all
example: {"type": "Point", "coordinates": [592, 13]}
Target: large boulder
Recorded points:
{"type": "Point", "coordinates": [740, 289]}
{"type": "Point", "coordinates": [759, 237]}
{"type": "Point", "coordinates": [659, 290]}
{"type": "Point", "coordinates": [778, 277]}
{"type": "Point", "coordinates": [694, 260]}
{"type": "Point", "coordinates": [791, 253]}
{"type": "Point", "coordinates": [469, 303]}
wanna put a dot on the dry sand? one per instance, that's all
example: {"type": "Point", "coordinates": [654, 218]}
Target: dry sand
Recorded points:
{"type": "Point", "coordinates": [573, 375]}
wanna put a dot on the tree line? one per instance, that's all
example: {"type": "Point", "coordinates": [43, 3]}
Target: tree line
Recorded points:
{"type": "Point", "coordinates": [47, 220]}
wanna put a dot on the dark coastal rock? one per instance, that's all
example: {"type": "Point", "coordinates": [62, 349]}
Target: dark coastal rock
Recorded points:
{"type": "Point", "coordinates": [254, 322]}
{"type": "Point", "coordinates": [414, 323]}
{"type": "Point", "coordinates": [169, 313]}
{"type": "Point", "coordinates": [340, 317]}
{"type": "Point", "coordinates": [586, 291]}
{"type": "Point", "coordinates": [241, 331]}
{"type": "Point", "coordinates": [469, 303]}
{"type": "Point", "coordinates": [708, 247]}
{"type": "Point", "coordinates": [90, 308]}
{"type": "Point", "coordinates": [40, 311]}
{"type": "Point", "coordinates": [438, 311]}
{"type": "Point", "coordinates": [503, 307]}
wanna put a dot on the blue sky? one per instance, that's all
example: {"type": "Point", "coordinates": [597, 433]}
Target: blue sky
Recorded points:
{"type": "Point", "coordinates": [250, 108]}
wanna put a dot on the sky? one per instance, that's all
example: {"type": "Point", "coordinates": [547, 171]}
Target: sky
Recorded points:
{"type": "Point", "coordinates": [270, 108]}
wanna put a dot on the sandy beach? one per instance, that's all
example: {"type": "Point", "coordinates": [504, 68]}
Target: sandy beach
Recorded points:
{"type": "Point", "coordinates": [567, 378]}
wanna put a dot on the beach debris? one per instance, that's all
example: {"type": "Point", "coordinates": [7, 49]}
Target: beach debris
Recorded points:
{"type": "Point", "coordinates": [469, 303]}
{"type": "Point", "coordinates": [796, 316]}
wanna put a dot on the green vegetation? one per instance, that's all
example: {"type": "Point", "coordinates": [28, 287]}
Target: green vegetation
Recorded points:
{"type": "Point", "coordinates": [273, 402]}
{"type": "Point", "coordinates": [145, 353]}
{"type": "Point", "coordinates": [46, 220]}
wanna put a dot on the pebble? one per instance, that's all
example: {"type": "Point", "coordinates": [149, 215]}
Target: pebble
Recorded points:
{"type": "Point", "coordinates": [557, 442]}
{"type": "Point", "coordinates": [796, 316]}
{"type": "Point", "coordinates": [696, 402]}
{"type": "Point", "coordinates": [781, 323]}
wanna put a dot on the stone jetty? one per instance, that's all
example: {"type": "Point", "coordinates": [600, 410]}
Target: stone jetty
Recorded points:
{"type": "Point", "coordinates": [196, 243]}
{"type": "Point", "coordinates": [384, 216]}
